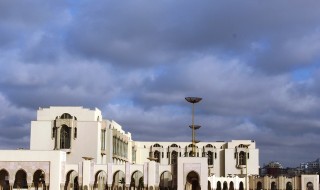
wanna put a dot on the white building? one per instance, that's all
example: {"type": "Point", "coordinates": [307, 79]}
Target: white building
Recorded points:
{"type": "Point", "coordinates": [75, 148]}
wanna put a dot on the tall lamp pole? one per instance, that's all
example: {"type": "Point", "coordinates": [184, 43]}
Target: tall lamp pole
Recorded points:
{"type": "Point", "coordinates": [247, 149]}
{"type": "Point", "coordinates": [193, 100]}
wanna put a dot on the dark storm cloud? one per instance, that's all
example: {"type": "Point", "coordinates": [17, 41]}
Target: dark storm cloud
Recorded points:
{"type": "Point", "coordinates": [269, 33]}
{"type": "Point", "coordinates": [256, 65]}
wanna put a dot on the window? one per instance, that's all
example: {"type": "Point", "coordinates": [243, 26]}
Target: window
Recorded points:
{"type": "Point", "coordinates": [133, 155]}
{"type": "Point", "coordinates": [156, 145]}
{"type": "Point", "coordinates": [210, 158]}
{"type": "Point", "coordinates": [309, 186]}
{"type": "Point", "coordinates": [157, 156]}
{"type": "Point", "coordinates": [66, 116]}
{"type": "Point", "coordinates": [242, 158]}
{"type": "Point", "coordinates": [54, 131]}
{"type": "Point", "coordinates": [103, 139]}
{"type": "Point", "coordinates": [65, 137]}
{"type": "Point", "coordinates": [75, 133]}
{"type": "Point", "coordinates": [174, 156]}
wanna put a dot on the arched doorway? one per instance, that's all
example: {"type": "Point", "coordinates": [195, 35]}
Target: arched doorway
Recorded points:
{"type": "Point", "coordinates": [72, 180]}
{"type": "Point", "coordinates": [289, 186]}
{"type": "Point", "coordinates": [4, 179]}
{"type": "Point", "coordinates": [218, 185]}
{"type": "Point", "coordinates": [241, 186]}
{"type": "Point", "coordinates": [231, 186]}
{"type": "Point", "coordinates": [225, 186]}
{"type": "Point", "coordinates": [273, 186]}
{"type": "Point", "coordinates": [20, 180]}
{"type": "Point", "coordinates": [309, 186]}
{"type": "Point", "coordinates": [39, 179]}
{"type": "Point", "coordinates": [135, 180]}
{"type": "Point", "coordinates": [193, 181]}
{"type": "Point", "coordinates": [119, 180]}
{"type": "Point", "coordinates": [100, 180]}
{"type": "Point", "coordinates": [165, 180]}
{"type": "Point", "coordinates": [259, 185]}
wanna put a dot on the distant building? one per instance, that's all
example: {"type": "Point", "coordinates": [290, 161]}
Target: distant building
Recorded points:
{"type": "Point", "coordinates": [311, 167]}
{"type": "Point", "coordinates": [73, 148]}
{"type": "Point", "coordinates": [273, 168]}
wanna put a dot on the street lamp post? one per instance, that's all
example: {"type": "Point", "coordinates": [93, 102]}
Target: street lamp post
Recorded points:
{"type": "Point", "coordinates": [247, 149]}
{"type": "Point", "coordinates": [193, 100]}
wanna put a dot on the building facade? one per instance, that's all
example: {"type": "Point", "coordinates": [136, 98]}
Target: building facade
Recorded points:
{"type": "Point", "coordinates": [76, 148]}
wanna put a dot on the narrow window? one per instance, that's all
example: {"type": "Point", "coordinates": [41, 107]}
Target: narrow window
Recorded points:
{"type": "Point", "coordinates": [157, 156]}
{"type": "Point", "coordinates": [174, 156]}
{"type": "Point", "coordinates": [65, 137]}
{"type": "Point", "coordinates": [54, 129]}
{"type": "Point", "coordinates": [242, 158]}
{"type": "Point", "coordinates": [210, 158]}
{"type": "Point", "coordinates": [75, 133]}
{"type": "Point", "coordinates": [103, 138]}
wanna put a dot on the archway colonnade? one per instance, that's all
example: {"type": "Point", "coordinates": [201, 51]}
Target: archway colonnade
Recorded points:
{"type": "Point", "coordinates": [23, 179]}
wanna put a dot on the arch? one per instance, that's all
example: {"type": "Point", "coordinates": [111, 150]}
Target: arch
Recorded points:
{"type": "Point", "coordinates": [4, 179]}
{"type": "Point", "coordinates": [259, 185]}
{"type": "Point", "coordinates": [309, 186]}
{"type": "Point", "coordinates": [65, 140]}
{"type": "Point", "coordinates": [209, 146]}
{"type": "Point", "coordinates": [174, 157]}
{"type": "Point", "coordinates": [273, 186]}
{"type": "Point", "coordinates": [218, 185]}
{"type": "Point", "coordinates": [191, 145]}
{"type": "Point", "coordinates": [100, 180]}
{"type": "Point", "coordinates": [225, 186]}
{"type": "Point", "coordinates": [241, 187]}
{"type": "Point", "coordinates": [231, 185]}
{"type": "Point", "coordinates": [65, 116]}
{"type": "Point", "coordinates": [156, 145]}
{"type": "Point", "coordinates": [242, 158]}
{"type": "Point", "coordinates": [39, 179]}
{"type": "Point", "coordinates": [193, 181]}
{"type": "Point", "coordinates": [174, 145]}
{"type": "Point", "coordinates": [71, 180]}
{"type": "Point", "coordinates": [289, 186]}
{"type": "Point", "coordinates": [165, 180]}
{"type": "Point", "coordinates": [119, 180]}
{"type": "Point", "coordinates": [135, 180]}
{"type": "Point", "coordinates": [20, 180]}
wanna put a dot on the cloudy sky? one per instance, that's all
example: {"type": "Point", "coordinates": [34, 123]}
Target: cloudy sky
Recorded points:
{"type": "Point", "coordinates": [256, 64]}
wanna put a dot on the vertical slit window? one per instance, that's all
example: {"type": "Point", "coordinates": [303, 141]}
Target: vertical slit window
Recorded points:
{"type": "Point", "coordinates": [75, 132]}
{"type": "Point", "coordinates": [65, 137]}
